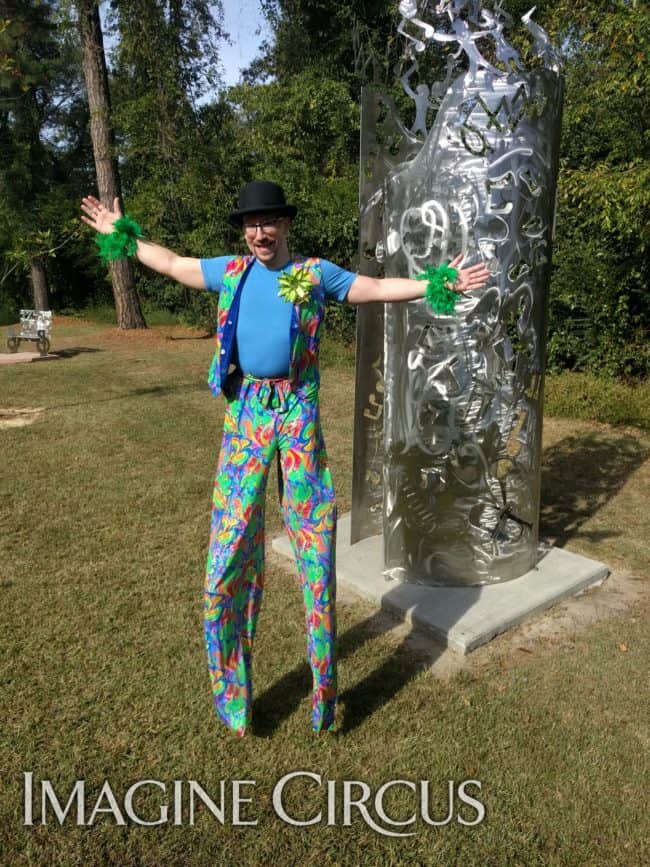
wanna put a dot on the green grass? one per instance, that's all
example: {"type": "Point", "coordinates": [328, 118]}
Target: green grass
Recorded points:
{"type": "Point", "coordinates": [104, 508]}
{"type": "Point", "coordinates": [105, 313]}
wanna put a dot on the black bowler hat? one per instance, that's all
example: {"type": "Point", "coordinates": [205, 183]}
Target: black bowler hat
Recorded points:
{"type": "Point", "coordinates": [261, 197]}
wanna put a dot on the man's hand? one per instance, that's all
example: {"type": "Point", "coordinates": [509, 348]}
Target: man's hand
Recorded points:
{"type": "Point", "coordinates": [99, 217]}
{"type": "Point", "coordinates": [183, 269]}
{"type": "Point", "coordinates": [388, 289]}
{"type": "Point", "coordinates": [469, 278]}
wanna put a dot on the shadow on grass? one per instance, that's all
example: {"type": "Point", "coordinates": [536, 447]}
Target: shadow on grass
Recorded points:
{"type": "Point", "coordinates": [74, 351]}
{"type": "Point", "coordinates": [209, 335]}
{"type": "Point", "coordinates": [154, 391]}
{"type": "Point", "coordinates": [393, 675]}
{"type": "Point", "coordinates": [368, 695]}
{"type": "Point", "coordinates": [580, 475]}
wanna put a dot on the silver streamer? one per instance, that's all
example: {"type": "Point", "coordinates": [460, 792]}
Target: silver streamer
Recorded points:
{"type": "Point", "coordinates": [460, 420]}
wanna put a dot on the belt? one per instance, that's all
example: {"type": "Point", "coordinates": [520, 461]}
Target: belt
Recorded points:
{"type": "Point", "coordinates": [272, 392]}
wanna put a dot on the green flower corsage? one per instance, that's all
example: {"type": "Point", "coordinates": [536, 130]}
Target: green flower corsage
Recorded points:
{"type": "Point", "coordinates": [439, 296]}
{"type": "Point", "coordinates": [295, 285]}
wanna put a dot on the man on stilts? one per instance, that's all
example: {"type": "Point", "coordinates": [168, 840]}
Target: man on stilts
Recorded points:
{"type": "Point", "coordinates": [270, 314]}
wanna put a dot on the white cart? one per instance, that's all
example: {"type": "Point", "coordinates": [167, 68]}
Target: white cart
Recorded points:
{"type": "Point", "coordinates": [35, 325]}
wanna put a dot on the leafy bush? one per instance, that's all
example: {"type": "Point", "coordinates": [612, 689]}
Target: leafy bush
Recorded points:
{"type": "Point", "coordinates": [585, 396]}
{"type": "Point", "coordinates": [8, 311]}
{"type": "Point", "coordinates": [340, 322]}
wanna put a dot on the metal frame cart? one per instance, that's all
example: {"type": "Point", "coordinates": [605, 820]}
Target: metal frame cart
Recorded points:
{"type": "Point", "coordinates": [35, 325]}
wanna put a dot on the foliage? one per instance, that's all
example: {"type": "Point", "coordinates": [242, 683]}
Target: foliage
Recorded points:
{"type": "Point", "coordinates": [302, 134]}
{"type": "Point", "coordinates": [582, 395]}
{"type": "Point", "coordinates": [599, 314]}
{"type": "Point", "coordinates": [42, 146]}
{"type": "Point", "coordinates": [185, 149]}
{"type": "Point", "coordinates": [175, 165]}
{"type": "Point", "coordinates": [352, 42]}
{"type": "Point", "coordinates": [8, 311]}
{"type": "Point", "coordinates": [27, 52]}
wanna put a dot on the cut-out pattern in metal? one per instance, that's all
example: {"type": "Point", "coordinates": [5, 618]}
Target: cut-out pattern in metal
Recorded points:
{"type": "Point", "coordinates": [385, 143]}
{"type": "Point", "coordinates": [462, 394]}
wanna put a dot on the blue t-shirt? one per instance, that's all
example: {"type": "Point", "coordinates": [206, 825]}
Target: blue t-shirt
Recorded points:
{"type": "Point", "coordinates": [262, 345]}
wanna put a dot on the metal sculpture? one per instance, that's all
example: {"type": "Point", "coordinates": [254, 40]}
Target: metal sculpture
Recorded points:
{"type": "Point", "coordinates": [457, 436]}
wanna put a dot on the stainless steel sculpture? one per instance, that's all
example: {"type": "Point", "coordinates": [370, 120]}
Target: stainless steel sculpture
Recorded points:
{"type": "Point", "coordinates": [462, 407]}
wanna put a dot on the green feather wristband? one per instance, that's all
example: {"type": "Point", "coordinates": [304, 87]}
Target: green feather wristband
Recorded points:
{"type": "Point", "coordinates": [122, 241]}
{"type": "Point", "coordinates": [438, 295]}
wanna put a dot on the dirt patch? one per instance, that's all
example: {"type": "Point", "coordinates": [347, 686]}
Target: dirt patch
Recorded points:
{"type": "Point", "coordinates": [155, 334]}
{"type": "Point", "coordinates": [20, 417]}
{"type": "Point", "coordinates": [149, 336]}
{"type": "Point", "coordinates": [69, 320]}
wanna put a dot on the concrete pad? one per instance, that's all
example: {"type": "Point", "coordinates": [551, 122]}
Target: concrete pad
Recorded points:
{"type": "Point", "coordinates": [23, 357]}
{"type": "Point", "coordinates": [462, 618]}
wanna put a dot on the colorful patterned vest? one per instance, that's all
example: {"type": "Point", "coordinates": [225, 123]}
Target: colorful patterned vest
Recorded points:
{"type": "Point", "coordinates": [306, 322]}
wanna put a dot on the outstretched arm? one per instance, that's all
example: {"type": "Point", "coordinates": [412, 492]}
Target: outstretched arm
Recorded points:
{"type": "Point", "coordinates": [183, 269]}
{"type": "Point", "coordinates": [365, 289]}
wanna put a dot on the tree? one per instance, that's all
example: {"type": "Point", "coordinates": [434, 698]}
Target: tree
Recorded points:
{"type": "Point", "coordinates": [127, 303]}
{"type": "Point", "coordinates": [303, 133]}
{"type": "Point", "coordinates": [27, 65]}
{"type": "Point", "coordinates": [600, 315]}
{"type": "Point", "coordinates": [166, 58]}
{"type": "Point", "coordinates": [347, 40]}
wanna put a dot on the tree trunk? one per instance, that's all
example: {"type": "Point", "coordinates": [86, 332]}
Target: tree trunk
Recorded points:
{"type": "Point", "coordinates": [38, 277]}
{"type": "Point", "coordinates": [127, 303]}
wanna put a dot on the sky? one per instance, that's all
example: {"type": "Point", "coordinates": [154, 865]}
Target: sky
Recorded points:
{"type": "Point", "coordinates": [247, 27]}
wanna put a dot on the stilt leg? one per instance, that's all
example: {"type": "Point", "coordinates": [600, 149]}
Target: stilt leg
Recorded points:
{"type": "Point", "coordinates": [310, 517]}
{"type": "Point", "coordinates": [234, 570]}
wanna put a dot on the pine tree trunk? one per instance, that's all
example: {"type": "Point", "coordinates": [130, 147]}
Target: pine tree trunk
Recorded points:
{"type": "Point", "coordinates": [38, 277]}
{"type": "Point", "coordinates": [127, 303]}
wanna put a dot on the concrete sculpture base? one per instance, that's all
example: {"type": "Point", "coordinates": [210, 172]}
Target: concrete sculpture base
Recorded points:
{"type": "Point", "coordinates": [461, 618]}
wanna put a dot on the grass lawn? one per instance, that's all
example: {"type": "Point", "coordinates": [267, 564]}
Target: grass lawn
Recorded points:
{"type": "Point", "coordinates": [108, 456]}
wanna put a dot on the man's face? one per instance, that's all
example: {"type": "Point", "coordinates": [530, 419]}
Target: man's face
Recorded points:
{"type": "Point", "coordinates": [266, 238]}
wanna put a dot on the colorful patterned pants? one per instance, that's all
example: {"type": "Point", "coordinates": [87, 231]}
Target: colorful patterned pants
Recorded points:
{"type": "Point", "coordinates": [265, 417]}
